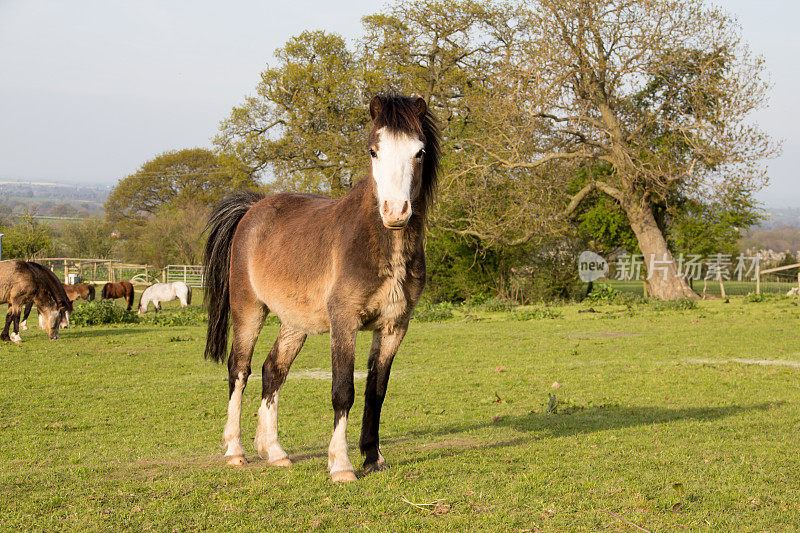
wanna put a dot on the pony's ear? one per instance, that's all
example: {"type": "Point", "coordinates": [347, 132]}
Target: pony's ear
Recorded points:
{"type": "Point", "coordinates": [420, 106]}
{"type": "Point", "coordinates": [375, 106]}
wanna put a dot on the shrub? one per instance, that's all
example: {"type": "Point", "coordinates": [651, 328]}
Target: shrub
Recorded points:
{"type": "Point", "coordinates": [101, 312]}
{"type": "Point", "coordinates": [606, 294]}
{"type": "Point", "coordinates": [185, 316]}
{"type": "Point", "coordinates": [753, 298]}
{"type": "Point", "coordinates": [603, 293]}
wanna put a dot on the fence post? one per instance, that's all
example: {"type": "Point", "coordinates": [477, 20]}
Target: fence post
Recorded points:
{"type": "Point", "coordinates": [184, 273]}
{"type": "Point", "coordinates": [758, 274]}
{"type": "Point", "coordinates": [66, 273]}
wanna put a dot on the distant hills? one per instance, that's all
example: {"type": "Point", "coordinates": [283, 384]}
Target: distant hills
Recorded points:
{"type": "Point", "coordinates": [52, 198]}
{"type": "Point", "coordinates": [781, 218]}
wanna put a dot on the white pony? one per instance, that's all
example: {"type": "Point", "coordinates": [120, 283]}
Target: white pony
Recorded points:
{"type": "Point", "coordinates": [165, 292]}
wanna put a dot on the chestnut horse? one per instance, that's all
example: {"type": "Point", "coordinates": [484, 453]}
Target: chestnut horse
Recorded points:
{"type": "Point", "coordinates": [322, 265]}
{"type": "Point", "coordinates": [80, 290]}
{"type": "Point", "coordinates": [21, 283]}
{"type": "Point", "coordinates": [120, 289]}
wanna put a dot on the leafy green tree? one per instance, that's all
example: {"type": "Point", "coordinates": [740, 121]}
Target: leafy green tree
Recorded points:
{"type": "Point", "coordinates": [172, 179]}
{"type": "Point", "coordinates": [26, 239]}
{"type": "Point", "coordinates": [174, 235]}
{"type": "Point", "coordinates": [88, 238]}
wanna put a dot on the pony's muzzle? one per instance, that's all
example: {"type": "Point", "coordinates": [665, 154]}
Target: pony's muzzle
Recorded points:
{"type": "Point", "coordinates": [395, 214]}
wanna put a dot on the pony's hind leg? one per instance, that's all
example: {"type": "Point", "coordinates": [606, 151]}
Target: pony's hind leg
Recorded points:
{"type": "Point", "coordinates": [381, 355]}
{"type": "Point", "coordinates": [247, 324]}
{"type": "Point", "coordinates": [280, 358]}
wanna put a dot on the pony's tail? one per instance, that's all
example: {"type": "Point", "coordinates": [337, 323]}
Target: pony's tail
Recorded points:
{"type": "Point", "coordinates": [131, 296]}
{"type": "Point", "coordinates": [221, 227]}
{"type": "Point", "coordinates": [91, 292]}
{"type": "Point", "coordinates": [189, 295]}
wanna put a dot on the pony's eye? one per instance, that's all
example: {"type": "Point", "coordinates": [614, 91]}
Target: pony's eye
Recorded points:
{"type": "Point", "coordinates": [420, 154]}
{"type": "Point", "coordinates": [372, 153]}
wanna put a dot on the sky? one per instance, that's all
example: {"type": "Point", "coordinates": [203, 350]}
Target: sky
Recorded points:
{"type": "Point", "coordinates": [89, 90]}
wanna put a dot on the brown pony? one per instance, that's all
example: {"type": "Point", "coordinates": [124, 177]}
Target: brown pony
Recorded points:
{"type": "Point", "coordinates": [120, 289]}
{"type": "Point", "coordinates": [325, 265]}
{"type": "Point", "coordinates": [81, 290]}
{"type": "Point", "coordinates": [21, 283]}
{"type": "Point", "coordinates": [57, 288]}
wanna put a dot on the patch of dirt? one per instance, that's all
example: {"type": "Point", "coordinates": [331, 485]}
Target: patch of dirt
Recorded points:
{"type": "Point", "coordinates": [603, 335]}
{"type": "Point", "coordinates": [764, 362]}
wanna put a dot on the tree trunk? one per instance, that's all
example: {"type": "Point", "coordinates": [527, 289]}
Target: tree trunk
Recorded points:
{"type": "Point", "coordinates": [663, 282]}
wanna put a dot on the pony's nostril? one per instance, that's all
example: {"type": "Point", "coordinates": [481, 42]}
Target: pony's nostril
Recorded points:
{"type": "Point", "coordinates": [385, 208]}
{"type": "Point", "coordinates": [405, 208]}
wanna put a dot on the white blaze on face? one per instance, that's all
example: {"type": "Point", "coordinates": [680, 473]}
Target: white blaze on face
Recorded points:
{"type": "Point", "coordinates": [396, 157]}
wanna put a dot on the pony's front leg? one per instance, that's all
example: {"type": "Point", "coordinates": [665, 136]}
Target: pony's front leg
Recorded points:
{"type": "Point", "coordinates": [343, 345]}
{"type": "Point", "coordinates": [9, 319]}
{"type": "Point", "coordinates": [279, 360]}
{"type": "Point", "coordinates": [15, 334]}
{"type": "Point", "coordinates": [381, 355]}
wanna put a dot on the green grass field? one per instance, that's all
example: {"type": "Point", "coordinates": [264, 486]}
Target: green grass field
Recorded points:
{"type": "Point", "coordinates": [662, 420]}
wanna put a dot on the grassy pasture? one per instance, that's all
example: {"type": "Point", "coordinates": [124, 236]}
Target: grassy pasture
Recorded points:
{"type": "Point", "coordinates": [662, 419]}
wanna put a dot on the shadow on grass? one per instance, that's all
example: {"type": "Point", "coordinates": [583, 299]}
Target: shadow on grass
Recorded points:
{"type": "Point", "coordinates": [600, 418]}
{"type": "Point", "coordinates": [539, 426]}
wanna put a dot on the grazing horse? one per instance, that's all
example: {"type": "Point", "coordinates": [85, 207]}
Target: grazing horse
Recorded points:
{"type": "Point", "coordinates": [120, 289]}
{"type": "Point", "coordinates": [80, 290]}
{"type": "Point", "coordinates": [57, 288]}
{"type": "Point", "coordinates": [21, 283]}
{"type": "Point", "coordinates": [322, 265]}
{"type": "Point", "coordinates": [165, 292]}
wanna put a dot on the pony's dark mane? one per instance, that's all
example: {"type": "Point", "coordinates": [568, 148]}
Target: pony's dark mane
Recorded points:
{"type": "Point", "coordinates": [399, 113]}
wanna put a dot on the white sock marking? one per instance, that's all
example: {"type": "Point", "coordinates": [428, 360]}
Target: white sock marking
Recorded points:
{"type": "Point", "coordinates": [233, 430]}
{"type": "Point", "coordinates": [338, 459]}
{"type": "Point", "coordinates": [266, 440]}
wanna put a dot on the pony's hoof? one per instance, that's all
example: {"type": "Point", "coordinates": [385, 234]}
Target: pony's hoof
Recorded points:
{"type": "Point", "coordinates": [343, 476]}
{"type": "Point", "coordinates": [237, 460]}
{"type": "Point", "coordinates": [16, 339]}
{"type": "Point", "coordinates": [375, 467]}
{"type": "Point", "coordinates": [283, 462]}
{"type": "Point", "coordinates": [23, 326]}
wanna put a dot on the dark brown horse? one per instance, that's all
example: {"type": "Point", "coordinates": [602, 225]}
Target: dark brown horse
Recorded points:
{"type": "Point", "coordinates": [57, 288]}
{"type": "Point", "coordinates": [325, 265]}
{"type": "Point", "coordinates": [120, 289]}
{"type": "Point", "coordinates": [21, 283]}
{"type": "Point", "coordinates": [80, 290]}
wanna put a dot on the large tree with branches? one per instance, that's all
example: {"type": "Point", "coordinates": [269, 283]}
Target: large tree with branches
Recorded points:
{"type": "Point", "coordinates": [660, 91]}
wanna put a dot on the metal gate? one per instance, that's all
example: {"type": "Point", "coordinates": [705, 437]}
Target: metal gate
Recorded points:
{"type": "Point", "coordinates": [193, 275]}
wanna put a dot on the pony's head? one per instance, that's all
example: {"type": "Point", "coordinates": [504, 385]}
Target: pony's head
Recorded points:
{"type": "Point", "coordinates": [50, 317]}
{"type": "Point", "coordinates": [403, 148]}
